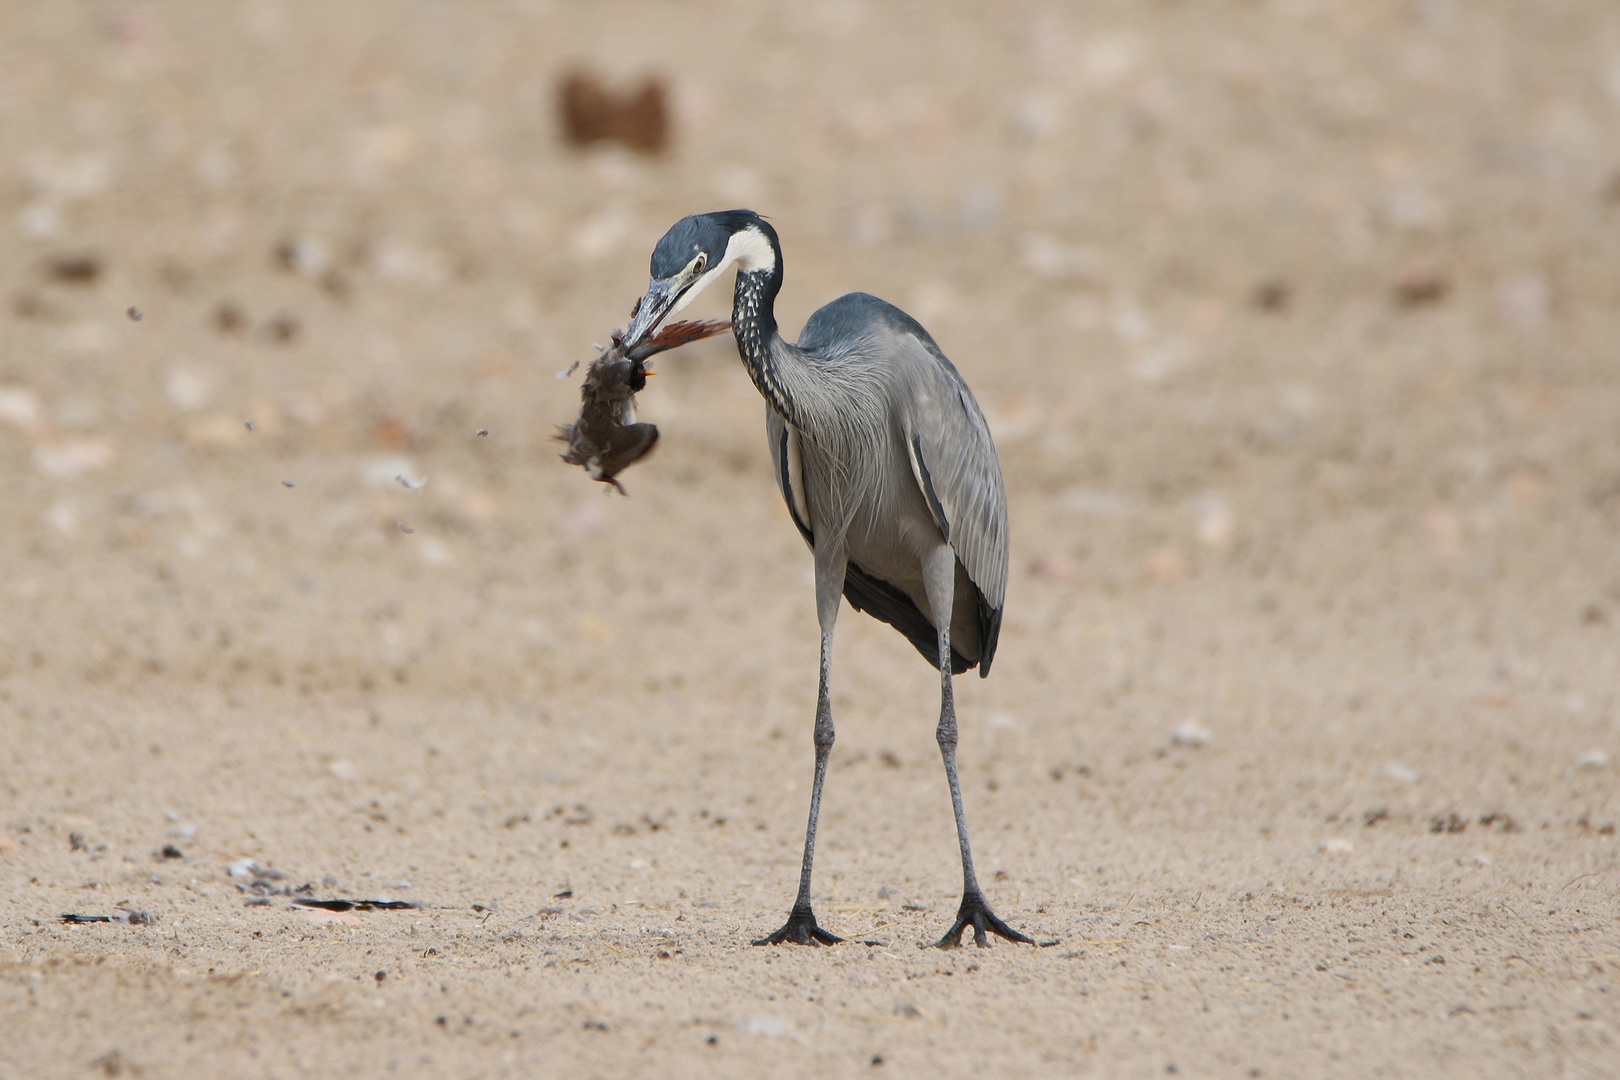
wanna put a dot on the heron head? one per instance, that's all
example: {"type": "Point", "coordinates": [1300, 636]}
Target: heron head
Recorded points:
{"type": "Point", "coordinates": [692, 255]}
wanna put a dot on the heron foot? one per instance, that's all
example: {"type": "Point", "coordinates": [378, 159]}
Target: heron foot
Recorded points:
{"type": "Point", "coordinates": [801, 929]}
{"type": "Point", "coordinates": [975, 912]}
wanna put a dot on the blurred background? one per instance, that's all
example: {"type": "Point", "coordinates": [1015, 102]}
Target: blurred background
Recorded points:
{"type": "Point", "coordinates": [1283, 290]}
{"type": "Point", "coordinates": [1297, 323]}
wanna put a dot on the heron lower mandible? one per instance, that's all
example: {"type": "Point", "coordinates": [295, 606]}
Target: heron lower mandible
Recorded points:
{"type": "Point", "coordinates": [887, 468]}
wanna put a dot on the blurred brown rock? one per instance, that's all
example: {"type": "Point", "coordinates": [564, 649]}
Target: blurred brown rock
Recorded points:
{"type": "Point", "coordinates": [1271, 294]}
{"type": "Point", "coordinates": [1421, 283]}
{"type": "Point", "coordinates": [283, 328]}
{"type": "Point", "coordinates": [230, 319]}
{"type": "Point", "coordinates": [591, 112]}
{"type": "Point", "coordinates": [74, 267]}
{"type": "Point", "coordinates": [392, 430]}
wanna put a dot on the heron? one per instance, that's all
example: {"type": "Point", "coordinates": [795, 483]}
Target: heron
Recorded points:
{"type": "Point", "coordinates": [886, 464]}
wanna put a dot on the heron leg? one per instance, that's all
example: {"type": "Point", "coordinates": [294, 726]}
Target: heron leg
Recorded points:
{"type": "Point", "coordinates": [801, 927]}
{"type": "Point", "coordinates": [831, 563]}
{"type": "Point", "coordinates": [975, 910]}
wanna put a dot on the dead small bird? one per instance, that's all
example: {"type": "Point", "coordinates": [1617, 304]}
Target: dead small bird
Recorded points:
{"type": "Point", "coordinates": [606, 439]}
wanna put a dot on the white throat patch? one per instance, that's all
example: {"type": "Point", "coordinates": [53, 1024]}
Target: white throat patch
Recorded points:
{"type": "Point", "coordinates": [750, 251]}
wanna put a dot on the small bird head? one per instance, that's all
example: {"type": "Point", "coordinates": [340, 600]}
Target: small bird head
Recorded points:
{"type": "Point", "coordinates": [695, 252]}
{"type": "Point", "coordinates": [638, 377]}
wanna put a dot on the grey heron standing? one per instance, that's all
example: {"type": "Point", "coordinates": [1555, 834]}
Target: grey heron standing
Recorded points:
{"type": "Point", "coordinates": [887, 468]}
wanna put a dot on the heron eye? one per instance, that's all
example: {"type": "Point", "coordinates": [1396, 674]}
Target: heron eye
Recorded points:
{"type": "Point", "coordinates": [699, 263]}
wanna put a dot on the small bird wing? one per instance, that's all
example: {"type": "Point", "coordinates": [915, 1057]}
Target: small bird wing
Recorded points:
{"type": "Point", "coordinates": [954, 461]}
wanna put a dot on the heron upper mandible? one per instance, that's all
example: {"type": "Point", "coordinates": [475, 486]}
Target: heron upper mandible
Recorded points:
{"type": "Point", "coordinates": [887, 468]}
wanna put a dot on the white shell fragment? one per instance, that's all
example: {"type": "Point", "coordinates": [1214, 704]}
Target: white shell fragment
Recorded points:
{"type": "Point", "coordinates": [1189, 733]}
{"type": "Point", "coordinates": [1396, 771]}
{"type": "Point", "coordinates": [1593, 759]}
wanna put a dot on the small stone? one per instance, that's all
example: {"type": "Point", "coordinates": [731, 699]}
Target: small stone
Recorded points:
{"type": "Point", "coordinates": [1189, 734]}
{"type": "Point", "coordinates": [768, 1026]}
{"type": "Point", "coordinates": [1593, 759]}
{"type": "Point", "coordinates": [230, 319]}
{"type": "Point", "coordinates": [75, 268]}
{"type": "Point", "coordinates": [1421, 283]}
{"type": "Point", "coordinates": [1396, 771]}
{"type": "Point", "coordinates": [1166, 564]}
{"type": "Point", "coordinates": [282, 328]}
{"type": "Point", "coordinates": [1448, 823]}
{"type": "Point", "coordinates": [303, 255]}
{"type": "Point", "coordinates": [1272, 295]}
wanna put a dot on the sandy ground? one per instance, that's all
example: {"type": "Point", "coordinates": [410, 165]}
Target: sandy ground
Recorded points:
{"type": "Point", "coordinates": [1297, 326]}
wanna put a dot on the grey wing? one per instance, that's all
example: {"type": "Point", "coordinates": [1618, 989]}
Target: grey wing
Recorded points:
{"type": "Point", "coordinates": [954, 461]}
{"type": "Point", "coordinates": [873, 595]}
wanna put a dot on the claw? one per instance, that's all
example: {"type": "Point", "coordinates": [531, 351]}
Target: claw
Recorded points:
{"type": "Point", "coordinates": [975, 912]}
{"type": "Point", "coordinates": [801, 929]}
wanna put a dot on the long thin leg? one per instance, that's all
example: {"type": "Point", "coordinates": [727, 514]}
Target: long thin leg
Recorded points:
{"type": "Point", "coordinates": [801, 926]}
{"type": "Point", "coordinates": [975, 910]}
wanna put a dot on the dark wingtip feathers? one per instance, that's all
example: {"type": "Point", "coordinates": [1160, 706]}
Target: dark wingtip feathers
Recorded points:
{"type": "Point", "coordinates": [989, 634]}
{"type": "Point", "coordinates": [886, 603]}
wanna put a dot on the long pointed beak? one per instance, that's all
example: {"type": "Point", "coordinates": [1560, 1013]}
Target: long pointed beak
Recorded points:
{"type": "Point", "coordinates": [661, 297]}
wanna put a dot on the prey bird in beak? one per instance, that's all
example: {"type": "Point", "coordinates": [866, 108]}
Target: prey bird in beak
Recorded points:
{"type": "Point", "coordinates": [606, 439]}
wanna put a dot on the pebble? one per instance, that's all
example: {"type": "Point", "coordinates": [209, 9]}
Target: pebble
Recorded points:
{"type": "Point", "coordinates": [1421, 283]}
{"type": "Point", "coordinates": [75, 268]}
{"type": "Point", "coordinates": [69, 460]}
{"type": "Point", "coordinates": [20, 408]}
{"type": "Point", "coordinates": [1593, 759]}
{"type": "Point", "coordinates": [247, 868]}
{"type": "Point", "coordinates": [306, 256]}
{"type": "Point", "coordinates": [768, 1026]}
{"type": "Point", "coordinates": [1189, 734]}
